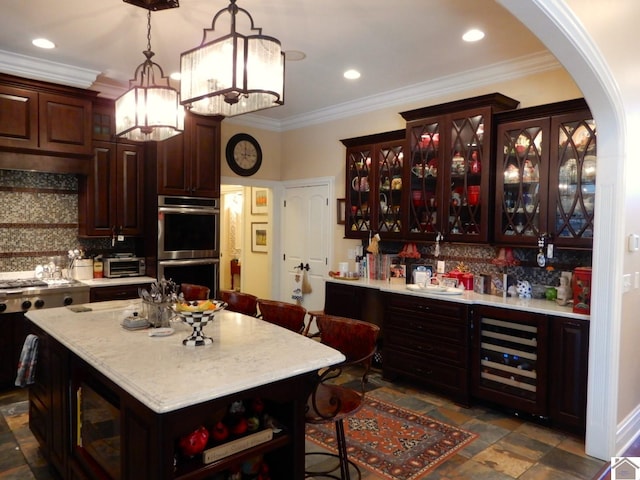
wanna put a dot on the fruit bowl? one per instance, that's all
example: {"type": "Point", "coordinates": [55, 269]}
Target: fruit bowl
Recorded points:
{"type": "Point", "coordinates": [197, 314]}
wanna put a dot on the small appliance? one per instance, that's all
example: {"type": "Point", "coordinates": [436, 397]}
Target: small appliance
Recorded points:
{"type": "Point", "coordinates": [124, 266]}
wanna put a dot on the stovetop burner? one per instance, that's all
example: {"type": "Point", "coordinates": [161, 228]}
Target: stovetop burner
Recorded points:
{"type": "Point", "coordinates": [22, 283]}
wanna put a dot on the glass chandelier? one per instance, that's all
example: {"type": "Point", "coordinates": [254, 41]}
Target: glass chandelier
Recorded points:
{"type": "Point", "coordinates": [234, 74]}
{"type": "Point", "coordinates": [150, 109]}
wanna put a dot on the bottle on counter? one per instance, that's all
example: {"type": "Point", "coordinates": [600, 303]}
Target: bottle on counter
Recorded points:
{"type": "Point", "coordinates": [97, 267]}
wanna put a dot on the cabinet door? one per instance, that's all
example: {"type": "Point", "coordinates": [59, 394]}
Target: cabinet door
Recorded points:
{"type": "Point", "coordinates": [466, 175]}
{"type": "Point", "coordinates": [65, 124]}
{"type": "Point", "coordinates": [343, 300]}
{"type": "Point", "coordinates": [358, 189]}
{"type": "Point", "coordinates": [97, 201]}
{"type": "Point", "coordinates": [174, 172]}
{"type": "Point", "coordinates": [572, 178]}
{"type": "Point", "coordinates": [522, 179]}
{"type": "Point", "coordinates": [129, 189]}
{"type": "Point", "coordinates": [569, 359]}
{"type": "Point", "coordinates": [389, 173]}
{"type": "Point", "coordinates": [18, 117]}
{"type": "Point", "coordinates": [424, 177]}
{"type": "Point", "coordinates": [203, 151]}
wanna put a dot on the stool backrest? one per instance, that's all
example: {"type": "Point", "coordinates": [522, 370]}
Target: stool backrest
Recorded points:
{"type": "Point", "coordinates": [194, 292]}
{"type": "Point", "coordinates": [355, 339]}
{"type": "Point", "coordinates": [287, 315]}
{"type": "Point", "coordinates": [240, 302]}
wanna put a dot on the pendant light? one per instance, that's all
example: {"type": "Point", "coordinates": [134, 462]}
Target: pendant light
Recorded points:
{"type": "Point", "coordinates": [150, 109]}
{"type": "Point", "coordinates": [234, 74]}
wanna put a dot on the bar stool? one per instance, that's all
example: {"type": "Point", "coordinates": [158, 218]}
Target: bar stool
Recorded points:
{"type": "Point", "coordinates": [192, 292]}
{"type": "Point", "coordinates": [333, 401]}
{"type": "Point", "coordinates": [240, 302]}
{"type": "Point", "coordinates": [287, 315]}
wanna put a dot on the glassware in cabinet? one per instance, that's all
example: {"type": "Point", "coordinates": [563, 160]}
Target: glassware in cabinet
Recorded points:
{"type": "Point", "coordinates": [390, 173]}
{"type": "Point", "coordinates": [359, 188]}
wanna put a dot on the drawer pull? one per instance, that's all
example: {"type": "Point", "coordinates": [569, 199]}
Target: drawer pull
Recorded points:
{"type": "Point", "coordinates": [424, 308]}
{"type": "Point", "coordinates": [423, 348]}
{"type": "Point", "coordinates": [425, 372]}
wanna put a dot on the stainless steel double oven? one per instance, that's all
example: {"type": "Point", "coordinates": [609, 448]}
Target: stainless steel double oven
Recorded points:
{"type": "Point", "coordinates": [188, 240]}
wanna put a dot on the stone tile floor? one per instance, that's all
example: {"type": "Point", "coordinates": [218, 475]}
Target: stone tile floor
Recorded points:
{"type": "Point", "coordinates": [507, 448]}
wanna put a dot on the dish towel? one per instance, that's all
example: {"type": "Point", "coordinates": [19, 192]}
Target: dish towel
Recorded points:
{"type": "Point", "coordinates": [27, 364]}
{"type": "Point", "coordinates": [306, 286]}
{"type": "Point", "coordinates": [296, 290]}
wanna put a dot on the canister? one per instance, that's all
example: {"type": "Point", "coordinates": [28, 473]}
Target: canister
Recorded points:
{"type": "Point", "coordinates": [582, 290]}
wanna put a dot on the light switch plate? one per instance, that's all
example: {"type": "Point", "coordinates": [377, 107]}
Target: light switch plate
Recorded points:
{"type": "Point", "coordinates": [626, 282]}
{"type": "Point", "coordinates": [440, 266]}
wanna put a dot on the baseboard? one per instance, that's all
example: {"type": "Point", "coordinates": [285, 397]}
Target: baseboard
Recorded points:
{"type": "Point", "coordinates": [628, 431]}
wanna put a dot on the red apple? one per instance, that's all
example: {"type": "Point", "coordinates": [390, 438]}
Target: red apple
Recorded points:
{"type": "Point", "coordinates": [195, 442]}
{"type": "Point", "coordinates": [220, 432]}
{"type": "Point", "coordinates": [240, 427]}
{"type": "Point", "coordinates": [257, 406]}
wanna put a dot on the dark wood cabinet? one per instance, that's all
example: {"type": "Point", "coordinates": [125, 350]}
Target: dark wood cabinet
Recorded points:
{"type": "Point", "coordinates": [116, 292]}
{"type": "Point", "coordinates": [111, 197]}
{"type": "Point", "coordinates": [345, 300]}
{"type": "Point", "coordinates": [49, 402]}
{"type": "Point", "coordinates": [569, 363]}
{"type": "Point", "coordinates": [374, 189]}
{"type": "Point", "coordinates": [449, 168]}
{"type": "Point", "coordinates": [189, 164]}
{"type": "Point", "coordinates": [11, 341]}
{"type": "Point", "coordinates": [545, 175]}
{"type": "Point", "coordinates": [427, 341]}
{"type": "Point", "coordinates": [42, 117]}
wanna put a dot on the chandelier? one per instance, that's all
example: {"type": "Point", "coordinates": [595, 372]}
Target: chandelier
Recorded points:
{"type": "Point", "coordinates": [150, 109]}
{"type": "Point", "coordinates": [234, 74]}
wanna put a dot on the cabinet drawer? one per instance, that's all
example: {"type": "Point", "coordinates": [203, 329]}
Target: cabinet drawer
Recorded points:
{"type": "Point", "coordinates": [446, 377]}
{"type": "Point", "coordinates": [421, 306]}
{"type": "Point", "coordinates": [425, 328]}
{"type": "Point", "coordinates": [432, 348]}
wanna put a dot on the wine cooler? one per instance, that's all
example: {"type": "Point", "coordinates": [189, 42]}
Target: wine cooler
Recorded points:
{"type": "Point", "coordinates": [510, 359]}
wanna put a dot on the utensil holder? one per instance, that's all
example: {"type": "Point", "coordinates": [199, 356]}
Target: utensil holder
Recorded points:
{"type": "Point", "coordinates": [159, 314]}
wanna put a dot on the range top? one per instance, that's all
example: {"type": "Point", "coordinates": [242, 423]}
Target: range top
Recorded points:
{"type": "Point", "coordinates": [21, 294]}
{"type": "Point", "coordinates": [21, 283]}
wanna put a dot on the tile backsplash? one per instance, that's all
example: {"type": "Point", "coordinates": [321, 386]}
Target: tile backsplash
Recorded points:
{"type": "Point", "coordinates": [39, 219]}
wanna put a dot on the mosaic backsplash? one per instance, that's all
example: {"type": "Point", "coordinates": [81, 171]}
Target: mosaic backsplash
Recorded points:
{"type": "Point", "coordinates": [39, 220]}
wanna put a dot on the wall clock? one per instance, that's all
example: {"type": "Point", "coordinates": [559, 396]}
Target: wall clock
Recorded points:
{"type": "Point", "coordinates": [244, 154]}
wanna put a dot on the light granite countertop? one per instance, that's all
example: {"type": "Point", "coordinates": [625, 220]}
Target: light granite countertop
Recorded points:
{"type": "Point", "coordinates": [165, 375]}
{"type": "Point", "coordinates": [469, 297]}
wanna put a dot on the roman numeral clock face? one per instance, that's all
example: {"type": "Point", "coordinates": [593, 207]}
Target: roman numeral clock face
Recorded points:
{"type": "Point", "coordinates": [244, 154]}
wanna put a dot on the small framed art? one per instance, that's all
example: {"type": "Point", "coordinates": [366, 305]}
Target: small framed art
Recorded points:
{"type": "Point", "coordinates": [342, 205]}
{"type": "Point", "coordinates": [259, 201]}
{"type": "Point", "coordinates": [259, 237]}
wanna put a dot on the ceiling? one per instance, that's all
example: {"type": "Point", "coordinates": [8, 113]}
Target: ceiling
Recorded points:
{"type": "Point", "coordinates": [399, 46]}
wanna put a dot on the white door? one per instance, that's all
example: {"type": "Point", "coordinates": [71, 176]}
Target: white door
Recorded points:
{"type": "Point", "coordinates": [305, 240]}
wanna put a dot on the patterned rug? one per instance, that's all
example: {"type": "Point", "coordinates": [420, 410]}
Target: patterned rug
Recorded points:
{"type": "Point", "coordinates": [392, 442]}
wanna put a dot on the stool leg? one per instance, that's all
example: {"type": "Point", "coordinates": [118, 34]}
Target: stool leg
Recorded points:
{"type": "Point", "coordinates": [342, 451]}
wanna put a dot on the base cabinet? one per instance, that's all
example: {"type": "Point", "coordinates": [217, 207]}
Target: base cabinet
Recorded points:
{"type": "Point", "coordinates": [119, 292]}
{"type": "Point", "coordinates": [11, 341]}
{"type": "Point", "coordinates": [427, 341]}
{"type": "Point", "coordinates": [569, 359]}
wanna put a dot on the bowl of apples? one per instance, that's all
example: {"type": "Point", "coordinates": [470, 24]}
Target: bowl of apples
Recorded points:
{"type": "Point", "coordinates": [197, 314]}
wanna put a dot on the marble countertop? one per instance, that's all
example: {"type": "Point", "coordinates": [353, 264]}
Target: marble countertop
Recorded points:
{"type": "Point", "coordinates": [107, 282]}
{"type": "Point", "coordinates": [165, 375]}
{"type": "Point", "coordinates": [469, 297]}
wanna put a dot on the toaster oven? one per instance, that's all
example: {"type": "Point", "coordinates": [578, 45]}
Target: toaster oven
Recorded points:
{"type": "Point", "coordinates": [124, 267]}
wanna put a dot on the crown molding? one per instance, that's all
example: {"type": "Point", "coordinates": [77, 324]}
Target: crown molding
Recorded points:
{"type": "Point", "coordinates": [46, 71]}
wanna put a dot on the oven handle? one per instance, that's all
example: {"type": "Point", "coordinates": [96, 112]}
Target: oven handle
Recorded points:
{"type": "Point", "coordinates": [190, 210]}
{"type": "Point", "coordinates": [189, 261]}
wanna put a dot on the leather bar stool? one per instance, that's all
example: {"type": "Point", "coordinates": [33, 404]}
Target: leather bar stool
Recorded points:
{"type": "Point", "coordinates": [240, 302]}
{"type": "Point", "coordinates": [192, 292]}
{"type": "Point", "coordinates": [287, 315]}
{"type": "Point", "coordinates": [333, 401]}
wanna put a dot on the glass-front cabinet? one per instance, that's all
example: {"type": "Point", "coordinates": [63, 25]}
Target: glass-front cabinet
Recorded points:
{"type": "Point", "coordinates": [449, 169]}
{"type": "Point", "coordinates": [545, 175]}
{"type": "Point", "coordinates": [375, 174]}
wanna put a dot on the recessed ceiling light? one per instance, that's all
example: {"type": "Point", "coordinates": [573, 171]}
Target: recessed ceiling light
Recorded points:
{"type": "Point", "coordinates": [352, 74]}
{"type": "Point", "coordinates": [473, 35]}
{"type": "Point", "coordinates": [43, 43]}
{"type": "Point", "coordinates": [294, 55]}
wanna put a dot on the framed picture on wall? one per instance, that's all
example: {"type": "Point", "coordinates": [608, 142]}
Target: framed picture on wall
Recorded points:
{"type": "Point", "coordinates": [259, 238]}
{"type": "Point", "coordinates": [259, 201]}
{"type": "Point", "coordinates": [342, 205]}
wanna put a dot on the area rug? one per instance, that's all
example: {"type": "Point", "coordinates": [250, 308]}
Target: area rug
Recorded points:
{"type": "Point", "coordinates": [393, 442]}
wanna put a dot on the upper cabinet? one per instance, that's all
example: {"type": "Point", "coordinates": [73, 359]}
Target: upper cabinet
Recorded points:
{"type": "Point", "coordinates": [39, 117]}
{"type": "Point", "coordinates": [375, 173]}
{"type": "Point", "coordinates": [545, 175]}
{"type": "Point", "coordinates": [189, 164]}
{"type": "Point", "coordinates": [449, 169]}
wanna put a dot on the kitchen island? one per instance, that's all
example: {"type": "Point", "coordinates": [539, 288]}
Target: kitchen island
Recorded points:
{"type": "Point", "coordinates": [154, 390]}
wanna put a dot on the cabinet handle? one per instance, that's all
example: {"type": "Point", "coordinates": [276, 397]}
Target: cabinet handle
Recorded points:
{"type": "Point", "coordinates": [425, 372]}
{"type": "Point", "coordinates": [424, 348]}
{"type": "Point", "coordinates": [424, 308]}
